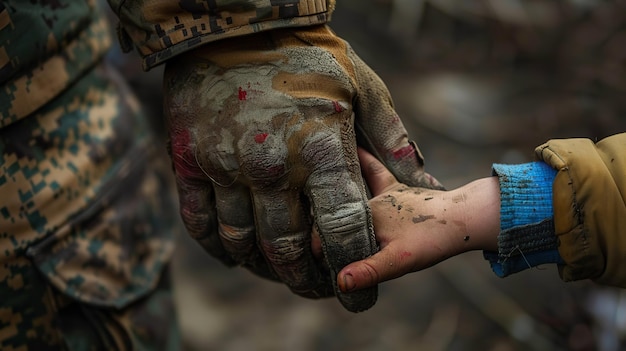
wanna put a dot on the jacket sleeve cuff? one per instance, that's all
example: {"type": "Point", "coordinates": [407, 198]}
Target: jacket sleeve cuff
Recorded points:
{"type": "Point", "coordinates": [524, 247]}
{"type": "Point", "coordinates": [525, 193]}
{"type": "Point", "coordinates": [526, 236]}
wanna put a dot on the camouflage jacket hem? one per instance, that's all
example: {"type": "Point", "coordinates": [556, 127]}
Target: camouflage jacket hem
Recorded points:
{"type": "Point", "coordinates": [162, 29]}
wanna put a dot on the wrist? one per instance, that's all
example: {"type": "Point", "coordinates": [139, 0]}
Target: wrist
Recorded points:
{"type": "Point", "coordinates": [475, 215]}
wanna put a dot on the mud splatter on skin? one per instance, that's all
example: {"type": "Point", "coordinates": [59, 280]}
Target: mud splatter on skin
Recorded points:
{"type": "Point", "coordinates": [422, 218]}
{"type": "Point", "coordinates": [459, 198]}
{"type": "Point", "coordinates": [418, 191]}
{"type": "Point", "coordinates": [461, 225]}
{"type": "Point", "coordinates": [391, 199]}
{"type": "Point", "coordinates": [394, 203]}
{"type": "Point", "coordinates": [443, 221]}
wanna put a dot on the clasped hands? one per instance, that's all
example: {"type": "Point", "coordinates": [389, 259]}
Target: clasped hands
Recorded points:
{"type": "Point", "coordinates": [263, 139]}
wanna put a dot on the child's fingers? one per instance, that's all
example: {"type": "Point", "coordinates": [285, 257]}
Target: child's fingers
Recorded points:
{"type": "Point", "coordinates": [383, 266]}
{"type": "Point", "coordinates": [377, 176]}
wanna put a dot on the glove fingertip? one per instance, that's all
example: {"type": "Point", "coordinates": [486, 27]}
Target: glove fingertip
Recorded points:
{"type": "Point", "coordinates": [358, 301]}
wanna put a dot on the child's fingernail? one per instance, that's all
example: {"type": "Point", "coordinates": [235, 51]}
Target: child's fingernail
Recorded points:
{"type": "Point", "coordinates": [348, 282]}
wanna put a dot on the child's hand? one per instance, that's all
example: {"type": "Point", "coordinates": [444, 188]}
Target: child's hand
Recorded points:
{"type": "Point", "coordinates": [418, 228]}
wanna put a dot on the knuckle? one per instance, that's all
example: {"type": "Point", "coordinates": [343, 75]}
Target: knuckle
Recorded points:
{"type": "Point", "coordinates": [182, 153]}
{"type": "Point", "coordinates": [240, 242]}
{"type": "Point", "coordinates": [276, 214]}
{"type": "Point", "coordinates": [197, 224]}
{"type": "Point", "coordinates": [370, 272]}
{"type": "Point", "coordinates": [322, 150]}
{"type": "Point", "coordinates": [284, 250]}
{"type": "Point", "coordinates": [215, 156]}
{"type": "Point", "coordinates": [344, 221]}
{"type": "Point", "coordinates": [237, 235]}
{"type": "Point", "coordinates": [264, 159]}
{"type": "Point", "coordinates": [198, 220]}
{"type": "Point", "coordinates": [290, 259]}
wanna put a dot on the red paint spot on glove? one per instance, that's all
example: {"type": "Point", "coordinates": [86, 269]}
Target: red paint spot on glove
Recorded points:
{"type": "Point", "coordinates": [338, 107]}
{"type": "Point", "coordinates": [183, 155]}
{"type": "Point", "coordinates": [242, 94]}
{"type": "Point", "coordinates": [260, 138]}
{"type": "Point", "coordinates": [180, 144]}
{"type": "Point", "coordinates": [403, 152]}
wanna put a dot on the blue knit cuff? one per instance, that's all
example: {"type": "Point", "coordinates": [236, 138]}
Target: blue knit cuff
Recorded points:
{"type": "Point", "coordinates": [524, 247]}
{"type": "Point", "coordinates": [507, 267]}
{"type": "Point", "coordinates": [526, 237]}
{"type": "Point", "coordinates": [525, 193]}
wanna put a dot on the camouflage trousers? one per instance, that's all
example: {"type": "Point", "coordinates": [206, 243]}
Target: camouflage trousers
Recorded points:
{"type": "Point", "coordinates": [87, 225]}
{"type": "Point", "coordinates": [39, 317]}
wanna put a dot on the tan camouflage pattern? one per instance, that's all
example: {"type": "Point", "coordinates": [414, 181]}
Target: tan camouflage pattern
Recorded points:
{"type": "Point", "coordinates": [41, 318]}
{"type": "Point", "coordinates": [86, 217]}
{"type": "Point", "coordinates": [161, 29]}
{"type": "Point", "coordinates": [48, 59]}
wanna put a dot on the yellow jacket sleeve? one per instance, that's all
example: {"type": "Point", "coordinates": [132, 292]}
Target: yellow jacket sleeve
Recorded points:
{"type": "Point", "coordinates": [589, 195]}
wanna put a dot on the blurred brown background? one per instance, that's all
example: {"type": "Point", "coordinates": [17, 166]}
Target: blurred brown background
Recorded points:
{"type": "Point", "coordinates": [475, 82]}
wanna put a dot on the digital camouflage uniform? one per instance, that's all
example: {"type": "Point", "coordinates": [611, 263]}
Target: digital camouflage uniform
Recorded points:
{"type": "Point", "coordinates": [86, 222]}
{"type": "Point", "coordinates": [161, 29]}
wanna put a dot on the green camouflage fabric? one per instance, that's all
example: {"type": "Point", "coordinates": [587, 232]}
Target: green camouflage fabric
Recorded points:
{"type": "Point", "coordinates": [161, 29]}
{"type": "Point", "coordinates": [86, 217]}
{"type": "Point", "coordinates": [46, 45]}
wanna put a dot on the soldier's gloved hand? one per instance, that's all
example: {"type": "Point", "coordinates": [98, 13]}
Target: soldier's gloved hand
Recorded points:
{"type": "Point", "coordinates": [262, 133]}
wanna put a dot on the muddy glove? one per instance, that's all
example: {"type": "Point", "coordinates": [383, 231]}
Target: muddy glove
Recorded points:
{"type": "Point", "coordinates": [262, 133]}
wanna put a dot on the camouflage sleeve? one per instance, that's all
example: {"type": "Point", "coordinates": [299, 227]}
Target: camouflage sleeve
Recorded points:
{"type": "Point", "coordinates": [82, 156]}
{"type": "Point", "coordinates": [86, 209]}
{"type": "Point", "coordinates": [161, 29]}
